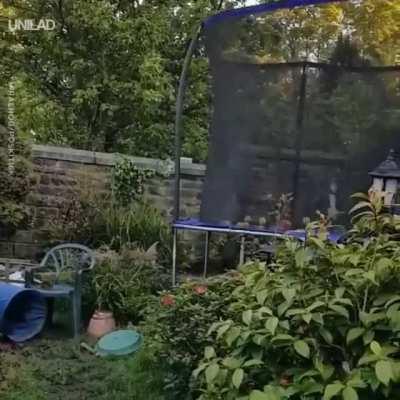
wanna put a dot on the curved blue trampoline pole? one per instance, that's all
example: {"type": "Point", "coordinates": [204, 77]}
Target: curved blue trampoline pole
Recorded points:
{"type": "Point", "coordinates": [178, 118]}
{"type": "Point", "coordinates": [262, 8]}
{"type": "Point", "coordinates": [178, 129]}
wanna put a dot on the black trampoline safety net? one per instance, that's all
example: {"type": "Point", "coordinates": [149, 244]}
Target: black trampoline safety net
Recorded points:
{"type": "Point", "coordinates": [300, 113]}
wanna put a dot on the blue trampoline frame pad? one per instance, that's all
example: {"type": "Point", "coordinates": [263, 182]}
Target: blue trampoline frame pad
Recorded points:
{"type": "Point", "coordinates": [196, 225]}
{"type": "Point", "coordinates": [191, 224]}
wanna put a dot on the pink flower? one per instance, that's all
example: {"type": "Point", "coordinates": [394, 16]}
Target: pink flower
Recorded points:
{"type": "Point", "coordinates": [168, 300]}
{"type": "Point", "coordinates": [200, 289]}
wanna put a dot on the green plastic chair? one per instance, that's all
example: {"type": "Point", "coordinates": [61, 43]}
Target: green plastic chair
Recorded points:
{"type": "Point", "coordinates": [64, 258]}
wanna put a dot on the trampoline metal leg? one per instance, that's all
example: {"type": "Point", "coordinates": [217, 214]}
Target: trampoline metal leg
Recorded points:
{"type": "Point", "coordinates": [206, 253]}
{"type": "Point", "coordinates": [174, 250]}
{"type": "Point", "coordinates": [241, 255]}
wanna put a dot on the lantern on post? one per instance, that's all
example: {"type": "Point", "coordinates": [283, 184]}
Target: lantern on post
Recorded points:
{"type": "Point", "coordinates": [387, 180]}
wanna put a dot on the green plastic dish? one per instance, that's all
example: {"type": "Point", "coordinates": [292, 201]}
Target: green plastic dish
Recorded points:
{"type": "Point", "coordinates": [119, 343]}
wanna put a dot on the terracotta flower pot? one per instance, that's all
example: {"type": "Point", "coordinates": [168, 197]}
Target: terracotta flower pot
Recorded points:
{"type": "Point", "coordinates": [101, 323]}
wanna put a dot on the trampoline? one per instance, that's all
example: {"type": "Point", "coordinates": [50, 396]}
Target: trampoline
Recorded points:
{"type": "Point", "coordinates": [293, 113]}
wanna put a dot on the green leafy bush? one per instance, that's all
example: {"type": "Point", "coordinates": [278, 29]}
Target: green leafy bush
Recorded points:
{"type": "Point", "coordinates": [14, 186]}
{"type": "Point", "coordinates": [138, 223]}
{"type": "Point", "coordinates": [125, 282]}
{"type": "Point", "coordinates": [12, 216]}
{"type": "Point", "coordinates": [177, 324]}
{"type": "Point", "coordinates": [323, 323]}
{"type": "Point", "coordinates": [99, 220]}
{"type": "Point", "coordinates": [128, 181]}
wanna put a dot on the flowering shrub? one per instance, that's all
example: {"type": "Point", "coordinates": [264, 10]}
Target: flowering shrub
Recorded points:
{"type": "Point", "coordinates": [177, 326]}
{"type": "Point", "coordinates": [323, 324]}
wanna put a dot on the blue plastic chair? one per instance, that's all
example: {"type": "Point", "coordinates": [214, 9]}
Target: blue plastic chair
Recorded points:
{"type": "Point", "coordinates": [63, 258]}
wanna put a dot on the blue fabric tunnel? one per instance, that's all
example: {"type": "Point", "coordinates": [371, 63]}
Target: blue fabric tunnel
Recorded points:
{"type": "Point", "coordinates": [22, 312]}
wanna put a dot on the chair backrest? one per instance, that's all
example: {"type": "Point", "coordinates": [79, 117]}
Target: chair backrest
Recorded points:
{"type": "Point", "coordinates": [68, 256]}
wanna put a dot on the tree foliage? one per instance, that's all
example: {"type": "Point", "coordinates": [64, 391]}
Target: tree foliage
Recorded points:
{"type": "Point", "coordinates": [106, 77]}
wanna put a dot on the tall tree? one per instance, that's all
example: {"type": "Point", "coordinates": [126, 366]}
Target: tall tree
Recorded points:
{"type": "Point", "coordinates": [105, 78]}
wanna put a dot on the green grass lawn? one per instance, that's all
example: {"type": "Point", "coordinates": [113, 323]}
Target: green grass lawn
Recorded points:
{"type": "Point", "coordinates": [59, 370]}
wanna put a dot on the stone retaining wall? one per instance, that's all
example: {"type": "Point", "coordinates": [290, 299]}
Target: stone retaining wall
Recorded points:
{"type": "Point", "coordinates": [58, 171]}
